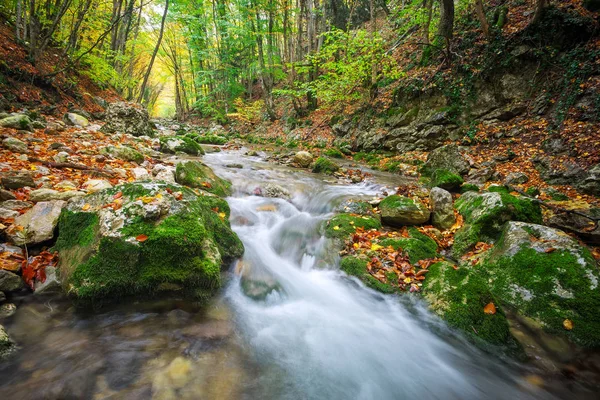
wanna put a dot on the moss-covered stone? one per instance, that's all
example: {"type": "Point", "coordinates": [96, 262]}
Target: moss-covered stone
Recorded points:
{"type": "Point", "coordinates": [400, 211]}
{"type": "Point", "coordinates": [418, 246]}
{"type": "Point", "coordinates": [359, 207]}
{"type": "Point", "coordinates": [485, 215]}
{"type": "Point", "coordinates": [182, 144]}
{"type": "Point", "coordinates": [124, 153]}
{"type": "Point", "coordinates": [458, 296]}
{"type": "Point", "coordinates": [163, 239]}
{"type": "Point", "coordinates": [546, 275]}
{"type": "Point", "coordinates": [207, 138]}
{"type": "Point", "coordinates": [446, 180]}
{"type": "Point", "coordinates": [325, 166]}
{"type": "Point", "coordinates": [357, 266]}
{"type": "Point", "coordinates": [333, 152]}
{"type": "Point", "coordinates": [342, 226]}
{"type": "Point", "coordinates": [469, 187]}
{"type": "Point", "coordinates": [197, 175]}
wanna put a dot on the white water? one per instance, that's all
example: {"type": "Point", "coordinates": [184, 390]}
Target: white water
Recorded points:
{"type": "Point", "coordinates": [331, 337]}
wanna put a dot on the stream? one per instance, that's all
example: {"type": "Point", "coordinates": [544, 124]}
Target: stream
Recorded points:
{"type": "Point", "coordinates": [288, 325]}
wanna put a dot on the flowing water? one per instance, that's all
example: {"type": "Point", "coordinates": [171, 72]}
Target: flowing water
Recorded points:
{"type": "Point", "coordinates": [289, 324]}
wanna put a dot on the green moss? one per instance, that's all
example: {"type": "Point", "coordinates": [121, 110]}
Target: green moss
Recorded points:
{"type": "Point", "coordinates": [418, 246]}
{"type": "Point", "coordinates": [342, 226]}
{"type": "Point", "coordinates": [395, 201]}
{"type": "Point", "coordinates": [532, 191]}
{"type": "Point", "coordinates": [459, 296]}
{"type": "Point", "coordinates": [528, 281]}
{"type": "Point", "coordinates": [446, 180]}
{"type": "Point", "coordinates": [358, 267]}
{"type": "Point", "coordinates": [186, 145]}
{"type": "Point", "coordinates": [197, 175]}
{"type": "Point", "coordinates": [325, 166]}
{"type": "Point", "coordinates": [76, 229]}
{"type": "Point", "coordinates": [498, 189]}
{"type": "Point", "coordinates": [469, 187]}
{"type": "Point", "coordinates": [333, 152]}
{"type": "Point", "coordinates": [207, 138]}
{"type": "Point", "coordinates": [486, 214]}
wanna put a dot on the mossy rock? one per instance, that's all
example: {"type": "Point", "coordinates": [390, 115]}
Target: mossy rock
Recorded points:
{"type": "Point", "coordinates": [458, 295]}
{"type": "Point", "coordinates": [197, 175]}
{"type": "Point", "coordinates": [342, 226]}
{"type": "Point", "coordinates": [124, 153]}
{"type": "Point", "coordinates": [485, 215]}
{"type": "Point", "coordinates": [546, 275]}
{"type": "Point", "coordinates": [360, 207]}
{"type": "Point", "coordinates": [400, 211]}
{"type": "Point", "coordinates": [445, 179]}
{"type": "Point", "coordinates": [184, 144]}
{"type": "Point", "coordinates": [207, 138]}
{"type": "Point", "coordinates": [17, 121]}
{"type": "Point", "coordinates": [357, 266]}
{"type": "Point", "coordinates": [164, 239]}
{"type": "Point", "coordinates": [417, 246]}
{"type": "Point", "coordinates": [469, 187]}
{"type": "Point", "coordinates": [325, 166]}
{"type": "Point", "coordinates": [334, 153]}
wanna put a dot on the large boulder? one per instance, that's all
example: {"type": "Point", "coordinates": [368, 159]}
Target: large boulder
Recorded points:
{"type": "Point", "coordinates": [38, 223]}
{"type": "Point", "coordinates": [485, 215]}
{"type": "Point", "coordinates": [442, 215]}
{"type": "Point", "coordinates": [17, 121]}
{"type": "Point", "coordinates": [546, 275]}
{"type": "Point", "coordinates": [446, 158]}
{"type": "Point", "coordinates": [127, 118]}
{"type": "Point", "coordinates": [144, 240]}
{"type": "Point", "coordinates": [303, 159]}
{"type": "Point", "coordinates": [197, 175]}
{"type": "Point", "coordinates": [400, 211]}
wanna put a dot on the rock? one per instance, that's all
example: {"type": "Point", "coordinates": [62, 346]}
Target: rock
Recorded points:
{"type": "Point", "coordinates": [485, 215]}
{"type": "Point", "coordinates": [8, 214]}
{"type": "Point", "coordinates": [6, 195]}
{"type": "Point", "coordinates": [65, 185]}
{"type": "Point", "coordinates": [303, 159]}
{"type": "Point", "coordinates": [325, 166]}
{"type": "Point", "coordinates": [50, 194]}
{"type": "Point", "coordinates": [61, 157]}
{"type": "Point", "coordinates": [127, 118]}
{"type": "Point", "coordinates": [15, 145]}
{"type": "Point", "coordinates": [583, 227]}
{"type": "Point", "coordinates": [353, 206]}
{"type": "Point", "coordinates": [164, 239]}
{"type": "Point", "coordinates": [400, 211]}
{"type": "Point", "coordinates": [344, 225]}
{"type": "Point", "coordinates": [446, 157]}
{"type": "Point", "coordinates": [7, 310]}
{"type": "Point", "coordinates": [124, 153]}
{"type": "Point", "coordinates": [140, 174]}
{"type": "Point", "coordinates": [17, 121]}
{"type": "Point", "coordinates": [546, 275]}
{"type": "Point", "coordinates": [272, 190]}
{"type": "Point", "coordinates": [173, 145]}
{"type": "Point", "coordinates": [2, 297]}
{"type": "Point", "coordinates": [172, 378]}
{"type": "Point", "coordinates": [208, 149]}
{"type": "Point", "coordinates": [516, 178]}
{"type": "Point", "coordinates": [17, 179]}
{"type": "Point", "coordinates": [442, 210]}
{"type": "Point", "coordinates": [53, 128]}
{"type": "Point", "coordinates": [480, 175]}
{"type": "Point", "coordinates": [10, 282]}
{"type": "Point", "coordinates": [236, 166]}
{"type": "Point", "coordinates": [568, 174]}
{"type": "Point", "coordinates": [446, 180]}
{"type": "Point", "coordinates": [96, 185]}
{"type": "Point", "coordinates": [197, 175]}
{"type": "Point", "coordinates": [75, 120]}
{"type": "Point", "coordinates": [7, 345]}
{"type": "Point", "coordinates": [164, 173]}
{"type": "Point", "coordinates": [591, 183]}
{"type": "Point", "coordinates": [555, 145]}
{"type": "Point", "coordinates": [50, 285]}
{"type": "Point", "coordinates": [38, 223]}
{"type": "Point", "coordinates": [15, 205]}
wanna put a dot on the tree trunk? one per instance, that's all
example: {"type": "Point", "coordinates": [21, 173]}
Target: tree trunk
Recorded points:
{"type": "Point", "coordinates": [446, 26]}
{"type": "Point", "coordinates": [160, 36]}
{"type": "Point", "coordinates": [485, 26]}
{"type": "Point", "coordinates": [540, 7]}
{"type": "Point", "coordinates": [428, 4]}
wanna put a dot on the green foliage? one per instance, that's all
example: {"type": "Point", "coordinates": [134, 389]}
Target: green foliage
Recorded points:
{"type": "Point", "coordinates": [325, 166]}
{"type": "Point", "coordinates": [343, 225]}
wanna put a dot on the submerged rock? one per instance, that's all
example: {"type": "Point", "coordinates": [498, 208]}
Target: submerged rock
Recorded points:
{"type": "Point", "coordinates": [127, 118]}
{"type": "Point", "coordinates": [546, 275]}
{"type": "Point", "coordinates": [197, 175]}
{"type": "Point", "coordinates": [7, 345]}
{"type": "Point", "coordinates": [400, 211]}
{"type": "Point", "coordinates": [154, 239]}
{"type": "Point", "coordinates": [274, 191]}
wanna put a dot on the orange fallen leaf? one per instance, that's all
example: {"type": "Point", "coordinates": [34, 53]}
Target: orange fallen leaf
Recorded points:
{"type": "Point", "coordinates": [568, 324]}
{"type": "Point", "coordinates": [118, 195]}
{"type": "Point", "coordinates": [490, 309]}
{"type": "Point", "coordinates": [141, 238]}
{"type": "Point", "coordinates": [85, 207]}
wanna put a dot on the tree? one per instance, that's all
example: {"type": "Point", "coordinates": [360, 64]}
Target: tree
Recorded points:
{"type": "Point", "coordinates": [160, 36]}
{"type": "Point", "coordinates": [446, 26]}
{"type": "Point", "coordinates": [485, 26]}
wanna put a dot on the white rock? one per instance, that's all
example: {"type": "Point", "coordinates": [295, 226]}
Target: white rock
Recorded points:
{"type": "Point", "coordinates": [95, 185]}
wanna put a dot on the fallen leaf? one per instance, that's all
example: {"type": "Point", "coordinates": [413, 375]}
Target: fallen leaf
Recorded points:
{"type": "Point", "coordinates": [568, 324]}
{"type": "Point", "coordinates": [490, 309]}
{"type": "Point", "coordinates": [141, 238]}
{"type": "Point", "coordinates": [85, 207]}
{"type": "Point", "coordinates": [336, 228]}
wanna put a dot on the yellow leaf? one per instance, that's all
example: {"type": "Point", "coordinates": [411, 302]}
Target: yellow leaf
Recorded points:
{"type": "Point", "coordinates": [568, 324]}
{"type": "Point", "coordinates": [85, 207]}
{"type": "Point", "coordinates": [407, 280]}
{"type": "Point", "coordinates": [356, 245]}
{"type": "Point", "coordinates": [375, 247]}
{"type": "Point", "coordinates": [351, 222]}
{"type": "Point", "coordinates": [159, 196]}
{"type": "Point", "coordinates": [147, 199]}
{"type": "Point", "coordinates": [222, 215]}
{"type": "Point", "coordinates": [336, 228]}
